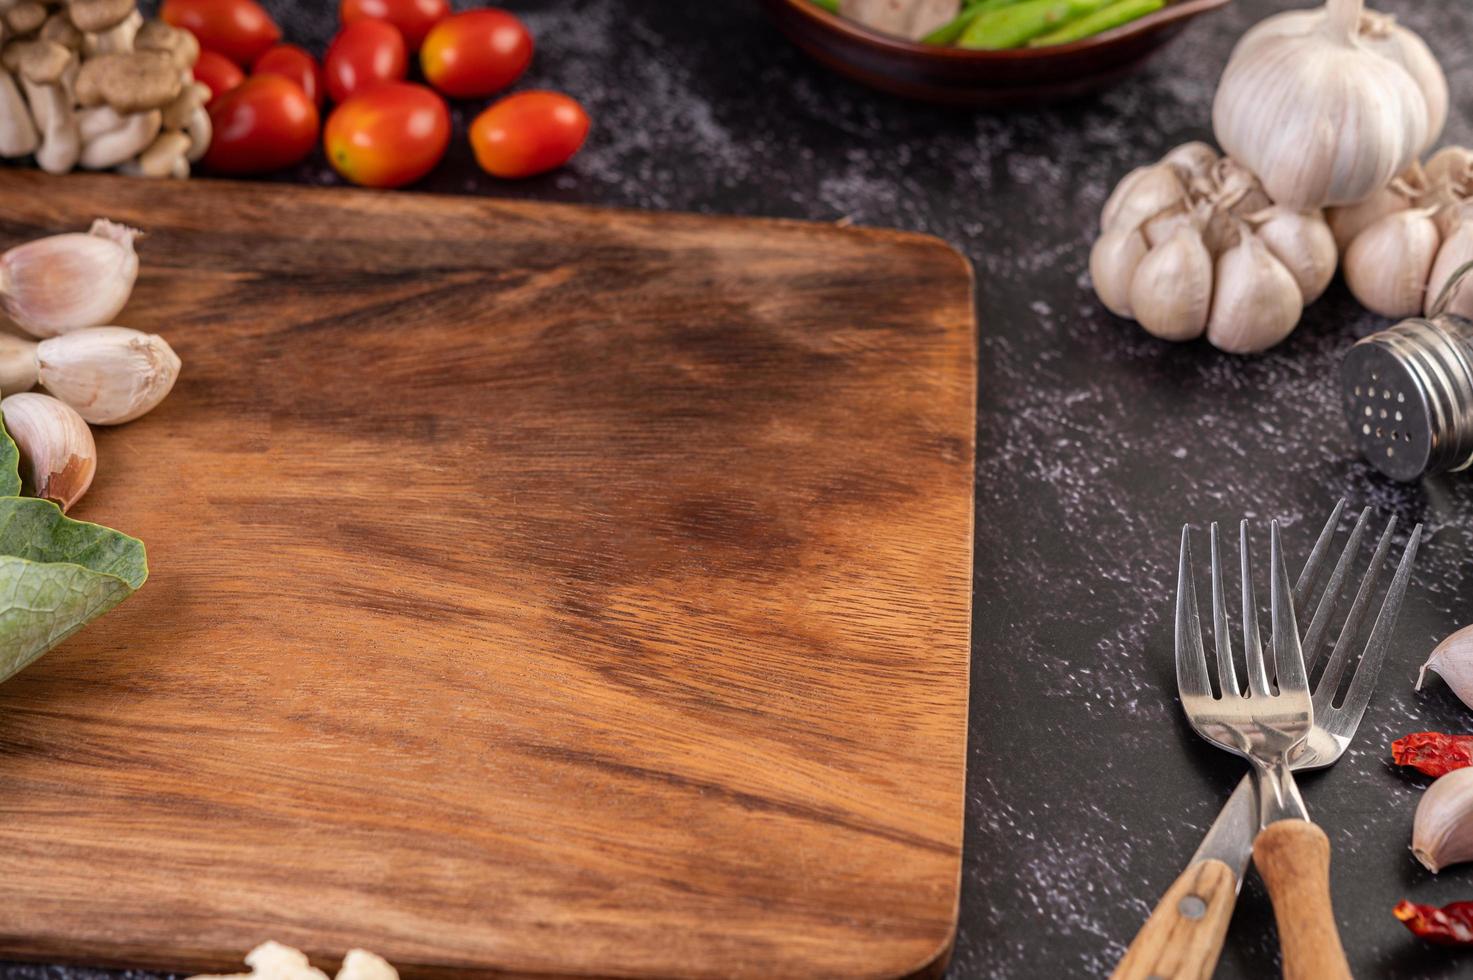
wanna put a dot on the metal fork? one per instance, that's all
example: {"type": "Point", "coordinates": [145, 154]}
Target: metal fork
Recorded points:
{"type": "Point", "coordinates": [1184, 934]}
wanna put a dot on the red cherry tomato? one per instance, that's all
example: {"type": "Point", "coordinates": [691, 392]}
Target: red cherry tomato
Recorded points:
{"type": "Point", "coordinates": [218, 72]}
{"type": "Point", "coordinates": [290, 61]}
{"type": "Point", "coordinates": [414, 18]}
{"type": "Point", "coordinates": [364, 54]}
{"type": "Point", "coordinates": [238, 29]}
{"type": "Point", "coordinates": [391, 135]}
{"type": "Point", "coordinates": [265, 123]}
{"type": "Point", "coordinates": [476, 53]}
{"type": "Point", "coordinates": [528, 133]}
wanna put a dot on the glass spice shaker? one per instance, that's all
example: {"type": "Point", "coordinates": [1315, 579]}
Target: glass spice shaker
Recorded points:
{"type": "Point", "coordinates": [1408, 392]}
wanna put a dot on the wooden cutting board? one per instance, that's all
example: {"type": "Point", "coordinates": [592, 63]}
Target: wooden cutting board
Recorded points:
{"type": "Point", "coordinates": [536, 590]}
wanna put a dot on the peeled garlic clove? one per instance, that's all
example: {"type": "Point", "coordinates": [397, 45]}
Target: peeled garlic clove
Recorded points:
{"type": "Point", "coordinates": [1452, 660]}
{"type": "Point", "coordinates": [1112, 265]}
{"type": "Point", "coordinates": [1348, 222]}
{"type": "Point", "coordinates": [57, 455]}
{"type": "Point", "coordinates": [1442, 831]}
{"type": "Point", "coordinates": [67, 282]}
{"type": "Point", "coordinates": [1143, 194]}
{"type": "Point", "coordinates": [1387, 265]}
{"type": "Point", "coordinates": [1302, 241]}
{"type": "Point", "coordinates": [1191, 160]}
{"type": "Point", "coordinates": [1256, 302]}
{"type": "Point", "coordinates": [110, 375]}
{"type": "Point", "coordinates": [1172, 289]}
{"type": "Point", "coordinates": [17, 364]}
{"type": "Point", "coordinates": [1320, 117]}
{"type": "Point", "coordinates": [1456, 251]}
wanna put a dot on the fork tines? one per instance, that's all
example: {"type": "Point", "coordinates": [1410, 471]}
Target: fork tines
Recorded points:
{"type": "Point", "coordinates": [1295, 663]}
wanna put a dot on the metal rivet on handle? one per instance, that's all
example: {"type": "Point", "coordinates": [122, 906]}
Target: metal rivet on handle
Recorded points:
{"type": "Point", "coordinates": [1192, 907]}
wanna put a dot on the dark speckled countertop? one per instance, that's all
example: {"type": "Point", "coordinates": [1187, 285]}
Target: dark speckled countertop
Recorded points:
{"type": "Point", "coordinates": [1086, 792]}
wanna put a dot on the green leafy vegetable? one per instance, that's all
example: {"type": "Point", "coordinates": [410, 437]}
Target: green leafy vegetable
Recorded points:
{"type": "Point", "coordinates": [56, 574]}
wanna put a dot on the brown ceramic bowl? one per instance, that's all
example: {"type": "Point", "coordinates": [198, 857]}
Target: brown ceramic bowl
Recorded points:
{"type": "Point", "coordinates": [984, 78]}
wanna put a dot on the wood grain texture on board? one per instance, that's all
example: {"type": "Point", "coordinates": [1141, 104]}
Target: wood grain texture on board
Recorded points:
{"type": "Point", "coordinates": [535, 590]}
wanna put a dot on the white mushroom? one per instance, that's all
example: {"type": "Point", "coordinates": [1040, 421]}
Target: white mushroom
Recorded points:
{"type": "Point", "coordinates": [166, 156]}
{"type": "Point", "coordinates": [108, 147]}
{"type": "Point", "coordinates": [187, 114]}
{"type": "Point", "coordinates": [42, 67]}
{"type": "Point", "coordinates": [17, 131]}
{"type": "Point", "coordinates": [108, 26]}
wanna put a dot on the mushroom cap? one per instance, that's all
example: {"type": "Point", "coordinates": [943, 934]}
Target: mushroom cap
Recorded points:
{"type": "Point", "coordinates": [129, 82]}
{"type": "Point", "coordinates": [25, 17]}
{"type": "Point", "coordinates": [59, 28]}
{"type": "Point", "coordinates": [99, 15]}
{"type": "Point", "coordinates": [42, 62]}
{"type": "Point", "coordinates": [155, 35]}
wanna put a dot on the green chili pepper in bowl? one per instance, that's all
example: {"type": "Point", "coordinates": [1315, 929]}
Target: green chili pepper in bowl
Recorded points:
{"type": "Point", "coordinates": [1118, 13]}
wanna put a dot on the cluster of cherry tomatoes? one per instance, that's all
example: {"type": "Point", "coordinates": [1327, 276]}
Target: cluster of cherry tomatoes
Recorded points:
{"type": "Point", "coordinates": [383, 131]}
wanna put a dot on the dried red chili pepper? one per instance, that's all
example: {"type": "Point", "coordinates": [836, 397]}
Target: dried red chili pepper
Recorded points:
{"type": "Point", "coordinates": [1433, 753]}
{"type": "Point", "coordinates": [1451, 925]}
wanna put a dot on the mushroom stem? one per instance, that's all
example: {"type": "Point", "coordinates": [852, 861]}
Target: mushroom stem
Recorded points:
{"type": "Point", "coordinates": [17, 129]}
{"type": "Point", "coordinates": [114, 146]}
{"type": "Point", "coordinates": [61, 143]}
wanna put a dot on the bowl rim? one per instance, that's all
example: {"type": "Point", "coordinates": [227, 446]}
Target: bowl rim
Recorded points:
{"type": "Point", "coordinates": [1172, 12]}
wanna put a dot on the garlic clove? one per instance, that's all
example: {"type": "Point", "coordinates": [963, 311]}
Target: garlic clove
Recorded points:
{"type": "Point", "coordinates": [1303, 242]}
{"type": "Point", "coordinates": [1143, 194]}
{"type": "Point", "coordinates": [1172, 289]}
{"type": "Point", "coordinates": [1165, 224]}
{"type": "Point", "coordinates": [1387, 265]}
{"type": "Point", "coordinates": [1348, 222]}
{"type": "Point", "coordinates": [67, 282]}
{"type": "Point", "coordinates": [1256, 302]}
{"type": "Point", "coordinates": [1456, 251]}
{"type": "Point", "coordinates": [58, 457]}
{"type": "Point", "coordinates": [1238, 190]}
{"type": "Point", "coordinates": [1191, 160]}
{"type": "Point", "coordinates": [110, 375]}
{"type": "Point", "coordinates": [1112, 265]}
{"type": "Point", "coordinates": [18, 366]}
{"type": "Point", "coordinates": [1452, 660]}
{"type": "Point", "coordinates": [1286, 78]}
{"type": "Point", "coordinates": [1442, 830]}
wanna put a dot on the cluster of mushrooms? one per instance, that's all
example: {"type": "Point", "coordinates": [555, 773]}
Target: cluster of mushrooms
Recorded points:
{"type": "Point", "coordinates": [1328, 108]}
{"type": "Point", "coordinates": [67, 290]}
{"type": "Point", "coordinates": [89, 83]}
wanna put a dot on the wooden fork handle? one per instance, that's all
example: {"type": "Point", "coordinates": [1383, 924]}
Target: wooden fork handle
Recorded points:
{"type": "Point", "coordinates": [1183, 937]}
{"type": "Point", "coordinates": [1293, 856]}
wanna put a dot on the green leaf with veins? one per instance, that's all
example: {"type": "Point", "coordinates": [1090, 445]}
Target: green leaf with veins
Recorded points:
{"type": "Point", "coordinates": [56, 574]}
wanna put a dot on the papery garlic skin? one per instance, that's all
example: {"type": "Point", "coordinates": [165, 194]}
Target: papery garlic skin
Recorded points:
{"type": "Point", "coordinates": [1388, 264]}
{"type": "Point", "coordinates": [67, 282]}
{"type": "Point", "coordinates": [1303, 243]}
{"type": "Point", "coordinates": [1112, 264]}
{"type": "Point", "coordinates": [1256, 303]}
{"type": "Point", "coordinates": [1171, 291]}
{"type": "Point", "coordinates": [1456, 251]}
{"type": "Point", "coordinates": [1442, 831]}
{"type": "Point", "coordinates": [1318, 115]}
{"type": "Point", "coordinates": [110, 375]}
{"type": "Point", "coordinates": [1452, 660]}
{"type": "Point", "coordinates": [57, 454]}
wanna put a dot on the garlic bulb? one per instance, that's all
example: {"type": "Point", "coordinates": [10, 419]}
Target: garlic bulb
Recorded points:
{"type": "Point", "coordinates": [110, 375]}
{"type": "Point", "coordinates": [1452, 660]}
{"type": "Point", "coordinates": [1327, 106]}
{"type": "Point", "coordinates": [1192, 244]}
{"type": "Point", "coordinates": [58, 457]}
{"type": "Point", "coordinates": [54, 285]}
{"type": "Point", "coordinates": [1404, 243]}
{"type": "Point", "coordinates": [1442, 831]}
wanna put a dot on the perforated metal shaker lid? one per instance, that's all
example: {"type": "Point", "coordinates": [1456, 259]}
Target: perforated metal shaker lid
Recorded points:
{"type": "Point", "coordinates": [1408, 394]}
